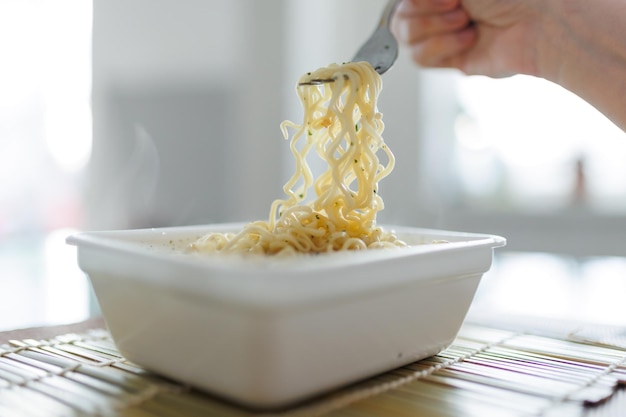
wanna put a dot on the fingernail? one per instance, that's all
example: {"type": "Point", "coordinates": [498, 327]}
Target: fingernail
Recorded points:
{"type": "Point", "coordinates": [400, 29]}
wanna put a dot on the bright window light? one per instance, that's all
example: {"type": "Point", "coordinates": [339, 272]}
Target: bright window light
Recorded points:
{"type": "Point", "coordinates": [66, 34]}
{"type": "Point", "coordinates": [532, 143]}
{"type": "Point", "coordinates": [45, 112]}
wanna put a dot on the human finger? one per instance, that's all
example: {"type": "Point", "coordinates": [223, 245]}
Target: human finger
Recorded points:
{"type": "Point", "coordinates": [441, 50]}
{"type": "Point", "coordinates": [412, 7]}
{"type": "Point", "coordinates": [416, 28]}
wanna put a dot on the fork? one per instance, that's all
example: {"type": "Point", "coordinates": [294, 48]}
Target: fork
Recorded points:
{"type": "Point", "coordinates": [380, 50]}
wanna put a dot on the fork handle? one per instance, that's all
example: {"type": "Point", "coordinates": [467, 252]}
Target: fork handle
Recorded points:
{"type": "Point", "coordinates": [385, 18]}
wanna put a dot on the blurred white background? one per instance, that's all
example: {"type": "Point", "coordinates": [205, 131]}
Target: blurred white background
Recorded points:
{"type": "Point", "coordinates": [146, 113]}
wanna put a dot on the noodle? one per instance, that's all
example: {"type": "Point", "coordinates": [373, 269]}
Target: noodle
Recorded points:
{"type": "Point", "coordinates": [342, 124]}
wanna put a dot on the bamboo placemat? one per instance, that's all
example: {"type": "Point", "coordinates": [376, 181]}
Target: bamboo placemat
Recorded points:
{"type": "Point", "coordinates": [486, 371]}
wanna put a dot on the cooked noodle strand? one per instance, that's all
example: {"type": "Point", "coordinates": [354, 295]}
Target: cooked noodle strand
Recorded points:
{"type": "Point", "coordinates": [341, 123]}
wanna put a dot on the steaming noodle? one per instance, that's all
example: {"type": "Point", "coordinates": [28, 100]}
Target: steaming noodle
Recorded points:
{"type": "Point", "coordinates": [342, 124]}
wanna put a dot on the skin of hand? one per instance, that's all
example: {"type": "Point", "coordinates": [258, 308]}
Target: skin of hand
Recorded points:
{"type": "Point", "coordinates": [475, 38]}
{"type": "Point", "coordinates": [579, 44]}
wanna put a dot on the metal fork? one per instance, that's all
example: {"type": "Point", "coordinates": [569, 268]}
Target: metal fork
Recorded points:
{"type": "Point", "coordinates": [380, 50]}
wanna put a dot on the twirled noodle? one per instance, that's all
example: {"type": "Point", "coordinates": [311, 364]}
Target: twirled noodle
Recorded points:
{"type": "Point", "coordinates": [342, 123]}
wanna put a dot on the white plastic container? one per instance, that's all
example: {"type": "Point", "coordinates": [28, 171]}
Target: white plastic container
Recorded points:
{"type": "Point", "coordinates": [271, 332]}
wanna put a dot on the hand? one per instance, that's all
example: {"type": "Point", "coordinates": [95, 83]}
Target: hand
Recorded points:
{"type": "Point", "coordinates": [578, 44]}
{"type": "Point", "coordinates": [490, 37]}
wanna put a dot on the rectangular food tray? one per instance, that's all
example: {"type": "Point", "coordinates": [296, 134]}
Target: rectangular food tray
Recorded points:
{"type": "Point", "coordinates": [269, 332]}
